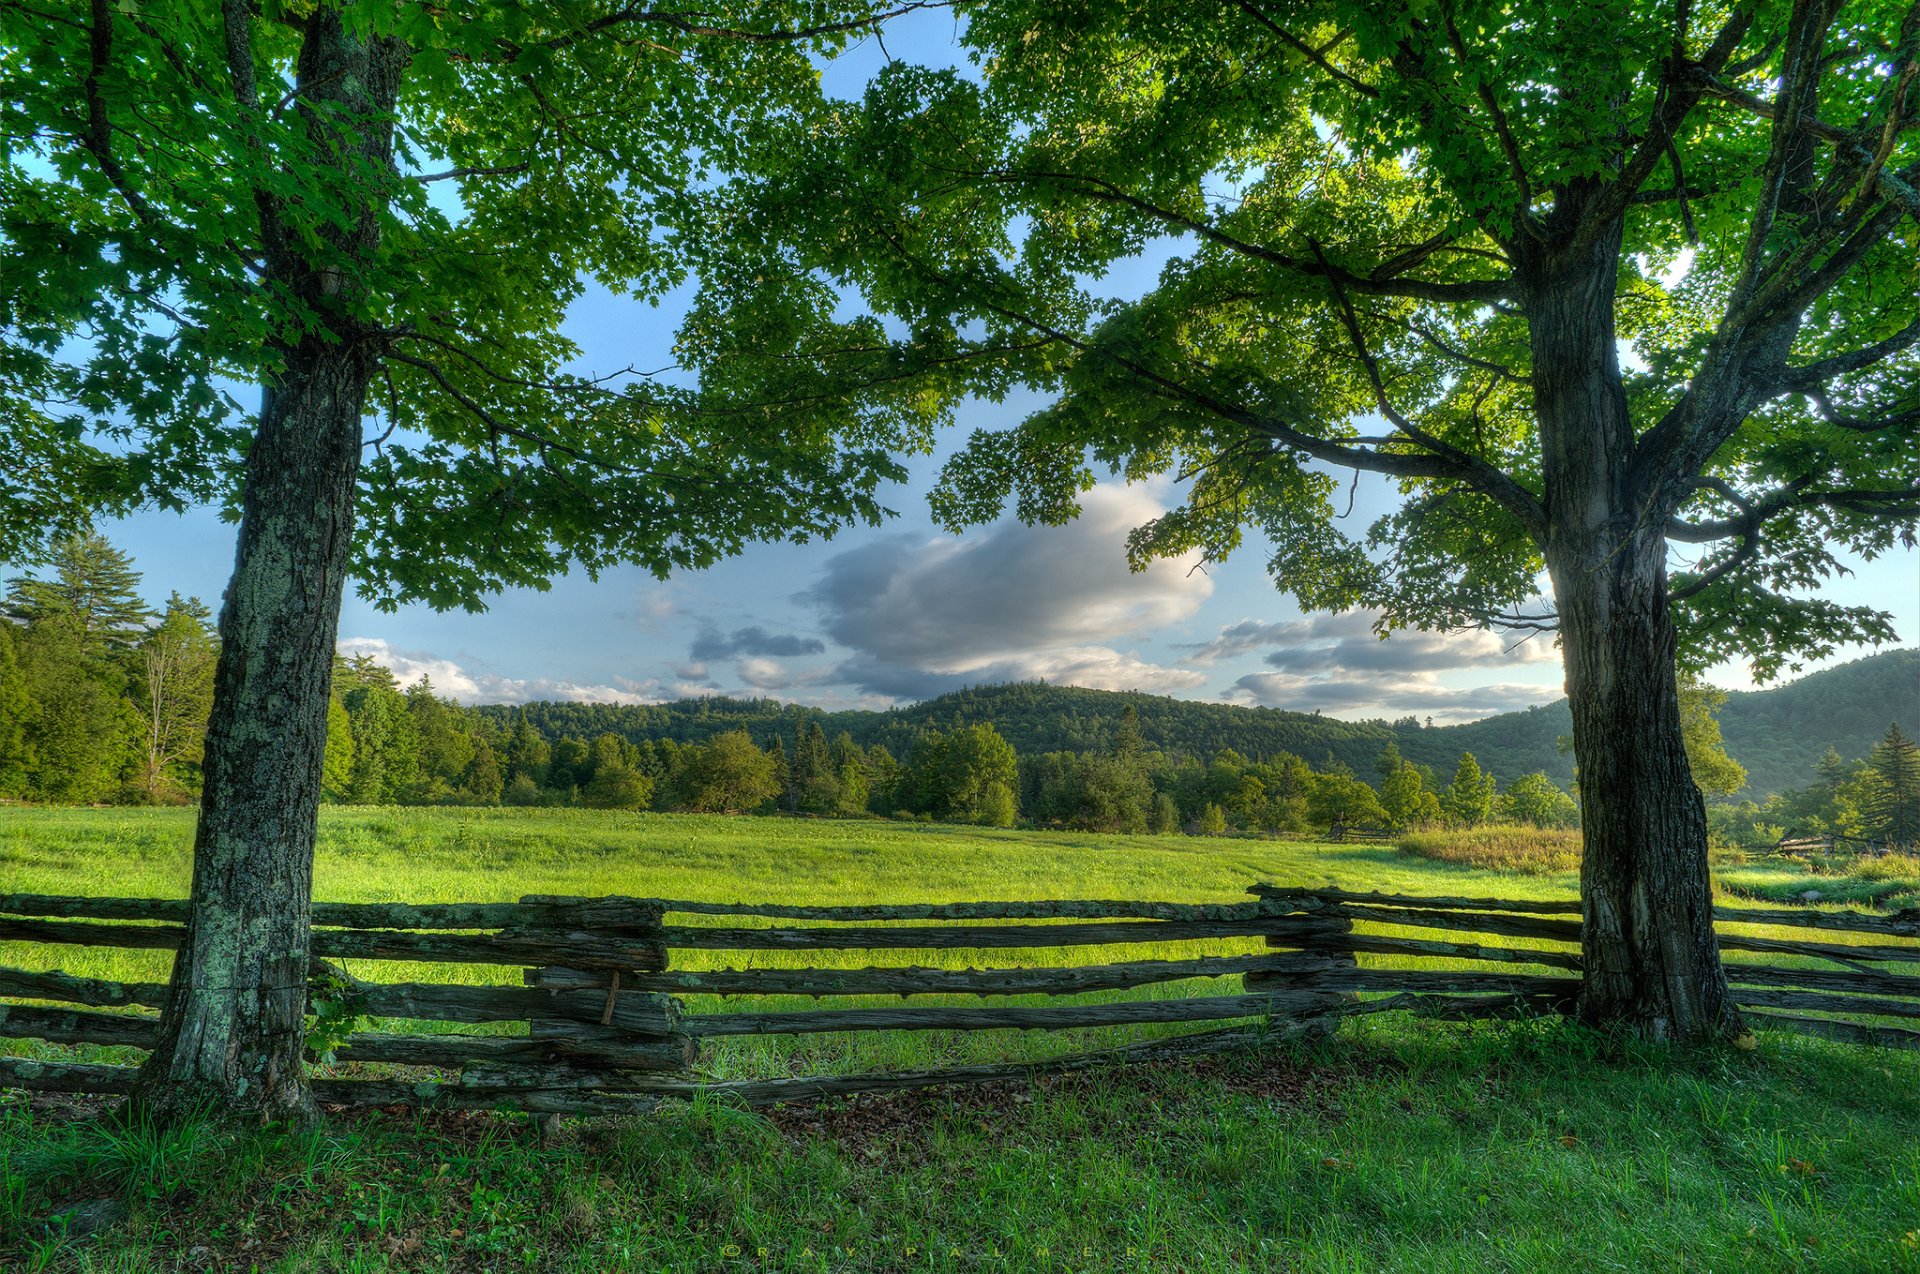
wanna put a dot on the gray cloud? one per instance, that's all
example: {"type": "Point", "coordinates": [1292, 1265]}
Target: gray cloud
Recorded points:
{"type": "Point", "coordinates": [1346, 643]}
{"type": "Point", "coordinates": [1418, 694]}
{"type": "Point", "coordinates": [1015, 603]}
{"type": "Point", "coordinates": [711, 645]}
{"type": "Point", "coordinates": [1339, 665]}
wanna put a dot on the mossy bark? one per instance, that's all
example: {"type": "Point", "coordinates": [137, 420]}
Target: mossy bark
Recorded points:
{"type": "Point", "coordinates": [233, 1026]}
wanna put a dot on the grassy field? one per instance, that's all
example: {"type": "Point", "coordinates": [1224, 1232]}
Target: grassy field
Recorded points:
{"type": "Point", "coordinates": [1396, 1145]}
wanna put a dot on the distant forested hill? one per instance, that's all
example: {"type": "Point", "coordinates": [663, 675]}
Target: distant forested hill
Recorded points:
{"type": "Point", "coordinates": [1776, 733]}
{"type": "Point", "coordinates": [1780, 732]}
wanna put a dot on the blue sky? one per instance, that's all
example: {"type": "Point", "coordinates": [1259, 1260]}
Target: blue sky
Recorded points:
{"type": "Point", "coordinates": [880, 616]}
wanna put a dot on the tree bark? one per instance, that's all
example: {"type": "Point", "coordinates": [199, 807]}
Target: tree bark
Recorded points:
{"type": "Point", "coordinates": [1652, 963]}
{"type": "Point", "coordinates": [234, 1024]}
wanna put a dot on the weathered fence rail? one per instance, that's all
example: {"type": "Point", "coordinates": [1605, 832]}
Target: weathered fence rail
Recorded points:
{"type": "Point", "coordinates": [586, 1009]}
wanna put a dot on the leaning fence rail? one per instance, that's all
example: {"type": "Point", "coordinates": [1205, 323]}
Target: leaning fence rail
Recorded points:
{"type": "Point", "coordinates": [599, 984]}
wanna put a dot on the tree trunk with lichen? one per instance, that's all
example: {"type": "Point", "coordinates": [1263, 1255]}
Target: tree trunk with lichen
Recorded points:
{"type": "Point", "coordinates": [234, 1026]}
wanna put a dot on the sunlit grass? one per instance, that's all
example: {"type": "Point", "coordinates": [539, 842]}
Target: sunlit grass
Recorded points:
{"type": "Point", "coordinates": [424, 855]}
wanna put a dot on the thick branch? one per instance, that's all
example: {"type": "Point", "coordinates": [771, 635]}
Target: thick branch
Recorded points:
{"type": "Point", "coordinates": [1307, 51]}
{"type": "Point", "coordinates": [1895, 187]}
{"type": "Point", "coordinates": [1880, 502]}
{"type": "Point", "coordinates": [99, 135]}
{"type": "Point", "coordinates": [689, 24]}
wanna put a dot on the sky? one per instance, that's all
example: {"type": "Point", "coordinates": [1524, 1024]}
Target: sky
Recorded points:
{"type": "Point", "coordinates": [898, 613]}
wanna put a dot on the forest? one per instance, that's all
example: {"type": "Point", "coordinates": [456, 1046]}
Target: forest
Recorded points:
{"type": "Point", "coordinates": [104, 700]}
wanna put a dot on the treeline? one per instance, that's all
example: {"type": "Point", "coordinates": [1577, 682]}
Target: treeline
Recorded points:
{"type": "Point", "coordinates": [387, 744]}
{"type": "Point", "coordinates": [1874, 798]}
{"type": "Point", "coordinates": [103, 699]}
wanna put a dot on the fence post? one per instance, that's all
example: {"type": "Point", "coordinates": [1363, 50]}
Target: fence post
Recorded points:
{"type": "Point", "coordinates": [1319, 935]}
{"type": "Point", "coordinates": [598, 1024]}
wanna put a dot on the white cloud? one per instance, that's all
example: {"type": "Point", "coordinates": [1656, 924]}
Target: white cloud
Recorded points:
{"type": "Point", "coordinates": [466, 686]}
{"type": "Point", "coordinates": [1015, 603]}
{"type": "Point", "coordinates": [764, 674]}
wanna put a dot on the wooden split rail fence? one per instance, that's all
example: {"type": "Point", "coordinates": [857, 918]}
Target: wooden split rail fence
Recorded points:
{"type": "Point", "coordinates": [597, 1006]}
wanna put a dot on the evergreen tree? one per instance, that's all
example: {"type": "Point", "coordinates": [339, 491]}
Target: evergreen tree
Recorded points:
{"type": "Point", "coordinates": [84, 734]}
{"type": "Point", "coordinates": [1468, 800]}
{"type": "Point", "coordinates": [1404, 796]}
{"type": "Point", "coordinates": [385, 741]}
{"type": "Point", "coordinates": [1893, 810]}
{"type": "Point", "coordinates": [444, 744]}
{"type": "Point", "coordinates": [483, 778]}
{"type": "Point", "coordinates": [528, 755]}
{"type": "Point", "coordinates": [336, 775]}
{"type": "Point", "coordinates": [816, 783]}
{"type": "Point", "coordinates": [93, 583]}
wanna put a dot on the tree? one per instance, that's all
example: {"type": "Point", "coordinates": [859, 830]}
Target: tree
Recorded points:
{"type": "Point", "coordinates": [93, 584]}
{"type": "Point", "coordinates": [617, 787]}
{"type": "Point", "coordinates": [1404, 795]}
{"type": "Point", "coordinates": [177, 659]}
{"type": "Point", "coordinates": [1412, 241]}
{"type": "Point", "coordinates": [1468, 800]}
{"type": "Point", "coordinates": [484, 781]}
{"type": "Point", "coordinates": [203, 196]}
{"type": "Point", "coordinates": [1337, 797]}
{"type": "Point", "coordinates": [1714, 772]}
{"type": "Point", "coordinates": [82, 734]}
{"type": "Point", "coordinates": [727, 774]}
{"type": "Point", "coordinates": [336, 764]}
{"type": "Point", "coordinates": [1893, 811]}
{"type": "Point", "coordinates": [16, 709]}
{"type": "Point", "coordinates": [1533, 798]}
{"type": "Point", "coordinates": [966, 775]}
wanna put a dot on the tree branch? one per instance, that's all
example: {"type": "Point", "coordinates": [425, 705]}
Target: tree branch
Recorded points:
{"type": "Point", "coordinates": [1307, 51]}
{"type": "Point", "coordinates": [1878, 502]}
{"type": "Point", "coordinates": [1897, 188]}
{"type": "Point", "coordinates": [1371, 284]}
{"type": "Point", "coordinates": [99, 135]}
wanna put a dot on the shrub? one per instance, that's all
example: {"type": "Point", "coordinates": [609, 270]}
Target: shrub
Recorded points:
{"type": "Point", "coordinates": [1530, 850]}
{"type": "Point", "coordinates": [1879, 867]}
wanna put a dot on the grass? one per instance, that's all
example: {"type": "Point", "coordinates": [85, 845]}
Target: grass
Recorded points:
{"type": "Point", "coordinates": [1884, 880]}
{"type": "Point", "coordinates": [1530, 851]}
{"type": "Point", "coordinates": [1396, 1145]}
{"type": "Point", "coordinates": [449, 855]}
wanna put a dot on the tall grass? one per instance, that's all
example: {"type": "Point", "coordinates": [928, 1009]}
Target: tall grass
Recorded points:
{"type": "Point", "coordinates": [1530, 851]}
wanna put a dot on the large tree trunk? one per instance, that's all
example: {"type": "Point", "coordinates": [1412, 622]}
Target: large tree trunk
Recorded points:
{"type": "Point", "coordinates": [1652, 961]}
{"type": "Point", "coordinates": [234, 1025]}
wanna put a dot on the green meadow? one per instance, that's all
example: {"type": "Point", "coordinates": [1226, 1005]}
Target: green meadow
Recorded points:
{"type": "Point", "coordinates": [1398, 1144]}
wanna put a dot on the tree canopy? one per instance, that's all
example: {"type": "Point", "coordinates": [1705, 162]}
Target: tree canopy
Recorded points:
{"type": "Point", "coordinates": [1585, 285]}
{"type": "Point", "coordinates": [166, 178]}
{"type": "Point", "coordinates": [1357, 199]}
